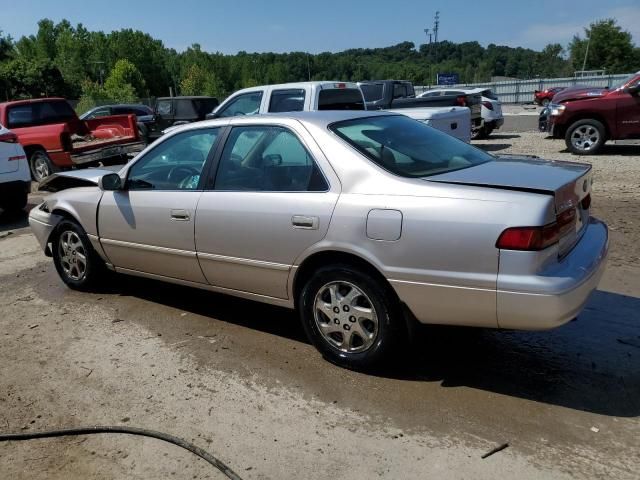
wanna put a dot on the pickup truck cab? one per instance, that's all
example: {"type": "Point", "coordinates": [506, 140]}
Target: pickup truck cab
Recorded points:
{"type": "Point", "coordinates": [330, 95]}
{"type": "Point", "coordinates": [587, 118]}
{"type": "Point", "coordinates": [54, 138]}
{"type": "Point", "coordinates": [291, 97]}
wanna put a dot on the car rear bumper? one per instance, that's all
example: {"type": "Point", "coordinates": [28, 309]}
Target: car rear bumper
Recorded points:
{"type": "Point", "coordinates": [15, 187]}
{"type": "Point", "coordinates": [556, 293]}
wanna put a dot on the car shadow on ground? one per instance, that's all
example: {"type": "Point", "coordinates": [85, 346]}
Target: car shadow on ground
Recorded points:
{"type": "Point", "coordinates": [503, 136]}
{"type": "Point", "coordinates": [591, 364]}
{"type": "Point", "coordinates": [612, 149]}
{"type": "Point", "coordinates": [493, 147]}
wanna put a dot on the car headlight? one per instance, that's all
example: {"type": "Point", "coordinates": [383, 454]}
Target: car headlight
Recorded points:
{"type": "Point", "coordinates": [557, 110]}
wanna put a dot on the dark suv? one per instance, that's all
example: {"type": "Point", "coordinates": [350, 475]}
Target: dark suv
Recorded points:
{"type": "Point", "coordinates": [171, 111]}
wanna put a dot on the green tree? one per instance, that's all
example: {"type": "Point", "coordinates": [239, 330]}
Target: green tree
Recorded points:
{"type": "Point", "coordinates": [124, 83]}
{"type": "Point", "coordinates": [610, 48]}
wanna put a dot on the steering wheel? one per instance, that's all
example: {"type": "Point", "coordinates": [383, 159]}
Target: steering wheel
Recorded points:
{"type": "Point", "coordinates": [189, 171]}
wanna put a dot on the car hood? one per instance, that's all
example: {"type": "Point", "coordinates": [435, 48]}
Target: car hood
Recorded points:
{"type": "Point", "coordinates": [523, 173]}
{"type": "Point", "coordinates": [76, 178]}
{"type": "Point", "coordinates": [578, 92]}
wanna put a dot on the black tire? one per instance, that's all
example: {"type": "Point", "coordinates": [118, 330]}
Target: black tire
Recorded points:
{"type": "Point", "coordinates": [144, 133]}
{"type": "Point", "coordinates": [94, 269]}
{"type": "Point", "coordinates": [479, 134]}
{"type": "Point", "coordinates": [545, 102]}
{"type": "Point", "coordinates": [585, 137]}
{"type": "Point", "coordinates": [16, 202]}
{"type": "Point", "coordinates": [40, 165]}
{"type": "Point", "coordinates": [389, 331]}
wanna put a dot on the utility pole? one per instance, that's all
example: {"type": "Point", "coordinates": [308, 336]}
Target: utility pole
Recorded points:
{"type": "Point", "coordinates": [584, 63]}
{"type": "Point", "coordinates": [436, 27]}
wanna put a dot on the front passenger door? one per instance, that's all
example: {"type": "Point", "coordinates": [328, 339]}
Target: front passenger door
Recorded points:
{"type": "Point", "coordinates": [628, 113]}
{"type": "Point", "coordinates": [148, 226]}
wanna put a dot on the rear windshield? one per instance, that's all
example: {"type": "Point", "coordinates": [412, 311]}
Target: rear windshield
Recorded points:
{"type": "Point", "coordinates": [372, 91]}
{"type": "Point", "coordinates": [340, 99]}
{"type": "Point", "coordinates": [291, 100]}
{"type": "Point", "coordinates": [40, 113]}
{"type": "Point", "coordinates": [408, 148]}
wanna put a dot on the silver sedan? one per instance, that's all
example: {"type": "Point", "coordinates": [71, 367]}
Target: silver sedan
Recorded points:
{"type": "Point", "coordinates": [362, 221]}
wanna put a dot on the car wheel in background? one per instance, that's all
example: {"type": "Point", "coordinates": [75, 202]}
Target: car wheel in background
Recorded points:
{"type": "Point", "coordinates": [480, 133]}
{"type": "Point", "coordinates": [40, 165]}
{"type": "Point", "coordinates": [351, 318]}
{"type": "Point", "coordinates": [77, 263]}
{"type": "Point", "coordinates": [545, 102]}
{"type": "Point", "coordinates": [585, 137]}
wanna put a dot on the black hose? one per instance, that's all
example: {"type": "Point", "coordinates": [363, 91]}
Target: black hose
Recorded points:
{"type": "Point", "coordinates": [16, 437]}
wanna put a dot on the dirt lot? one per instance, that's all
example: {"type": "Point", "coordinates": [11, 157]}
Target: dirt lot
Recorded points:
{"type": "Point", "coordinates": [240, 380]}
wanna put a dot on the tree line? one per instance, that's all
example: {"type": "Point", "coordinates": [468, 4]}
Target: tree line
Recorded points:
{"type": "Point", "coordinates": [122, 66]}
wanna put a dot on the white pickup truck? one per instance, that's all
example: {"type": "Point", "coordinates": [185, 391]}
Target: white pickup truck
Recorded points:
{"type": "Point", "coordinates": [312, 96]}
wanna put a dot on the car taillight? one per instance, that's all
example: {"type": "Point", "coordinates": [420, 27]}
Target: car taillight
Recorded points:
{"type": "Point", "coordinates": [537, 238]}
{"type": "Point", "coordinates": [65, 140]}
{"type": "Point", "coordinates": [340, 85]}
{"type": "Point", "coordinates": [8, 137]}
{"type": "Point", "coordinates": [461, 100]}
{"type": "Point", "coordinates": [488, 105]}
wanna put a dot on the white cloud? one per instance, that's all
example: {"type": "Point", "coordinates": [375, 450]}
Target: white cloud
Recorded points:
{"type": "Point", "coordinates": [541, 34]}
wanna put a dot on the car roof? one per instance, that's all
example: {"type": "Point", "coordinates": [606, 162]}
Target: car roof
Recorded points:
{"type": "Point", "coordinates": [32, 100]}
{"type": "Point", "coordinates": [317, 118]}
{"type": "Point", "coordinates": [315, 83]}
{"type": "Point", "coordinates": [188, 97]}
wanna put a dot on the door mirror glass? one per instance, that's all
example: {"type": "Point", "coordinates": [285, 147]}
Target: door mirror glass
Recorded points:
{"type": "Point", "coordinates": [110, 182]}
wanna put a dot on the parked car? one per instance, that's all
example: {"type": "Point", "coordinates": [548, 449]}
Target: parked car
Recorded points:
{"type": "Point", "coordinates": [174, 111]}
{"type": "Point", "coordinates": [491, 110]}
{"type": "Point", "coordinates": [544, 97]}
{"type": "Point", "coordinates": [396, 95]}
{"type": "Point", "coordinates": [354, 218]}
{"type": "Point", "coordinates": [15, 181]}
{"type": "Point", "coordinates": [587, 118]}
{"type": "Point", "coordinates": [144, 115]}
{"type": "Point", "coordinates": [54, 138]}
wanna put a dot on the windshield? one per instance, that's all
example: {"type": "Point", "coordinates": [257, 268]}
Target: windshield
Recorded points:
{"type": "Point", "coordinates": [623, 82]}
{"type": "Point", "coordinates": [406, 147]}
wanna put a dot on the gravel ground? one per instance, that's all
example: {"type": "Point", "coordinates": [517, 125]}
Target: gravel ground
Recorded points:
{"type": "Point", "coordinates": [616, 191]}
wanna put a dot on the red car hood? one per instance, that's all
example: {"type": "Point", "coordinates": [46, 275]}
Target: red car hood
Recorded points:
{"type": "Point", "coordinates": [579, 92]}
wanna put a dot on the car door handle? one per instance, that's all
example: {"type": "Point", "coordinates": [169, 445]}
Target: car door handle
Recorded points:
{"type": "Point", "coordinates": [304, 222]}
{"type": "Point", "coordinates": [180, 215]}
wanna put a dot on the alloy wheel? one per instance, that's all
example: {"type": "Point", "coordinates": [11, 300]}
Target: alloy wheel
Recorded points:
{"type": "Point", "coordinates": [585, 137]}
{"type": "Point", "coordinates": [41, 167]}
{"type": "Point", "coordinates": [346, 317]}
{"type": "Point", "coordinates": [73, 255]}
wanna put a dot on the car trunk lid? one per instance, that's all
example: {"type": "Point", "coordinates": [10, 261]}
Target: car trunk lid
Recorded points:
{"type": "Point", "coordinates": [569, 183]}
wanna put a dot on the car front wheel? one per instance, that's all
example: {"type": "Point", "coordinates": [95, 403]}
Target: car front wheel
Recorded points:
{"type": "Point", "coordinates": [351, 318]}
{"type": "Point", "coordinates": [77, 263]}
{"type": "Point", "coordinates": [585, 137]}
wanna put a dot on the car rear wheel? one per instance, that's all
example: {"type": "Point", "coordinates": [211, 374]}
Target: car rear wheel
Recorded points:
{"type": "Point", "coordinates": [41, 166]}
{"type": "Point", "coordinates": [77, 263]}
{"type": "Point", "coordinates": [585, 137]}
{"type": "Point", "coordinates": [351, 318]}
{"type": "Point", "coordinates": [546, 102]}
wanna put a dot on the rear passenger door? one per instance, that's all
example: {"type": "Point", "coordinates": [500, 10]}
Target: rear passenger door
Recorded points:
{"type": "Point", "coordinates": [271, 199]}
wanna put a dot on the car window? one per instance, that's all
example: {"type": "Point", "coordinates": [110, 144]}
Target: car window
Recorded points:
{"type": "Point", "coordinates": [101, 112]}
{"type": "Point", "coordinates": [488, 93]}
{"type": "Point", "coordinates": [164, 107]}
{"type": "Point", "coordinates": [175, 164]}
{"type": "Point", "coordinates": [408, 148]}
{"type": "Point", "coordinates": [453, 92]}
{"type": "Point", "coordinates": [432, 94]}
{"type": "Point", "coordinates": [267, 159]}
{"type": "Point", "coordinates": [340, 99]}
{"type": "Point", "coordinates": [399, 90]}
{"type": "Point", "coordinates": [185, 109]}
{"type": "Point", "coordinates": [245, 104]}
{"type": "Point", "coordinates": [40, 113]}
{"type": "Point", "coordinates": [372, 91]}
{"type": "Point", "coordinates": [291, 100]}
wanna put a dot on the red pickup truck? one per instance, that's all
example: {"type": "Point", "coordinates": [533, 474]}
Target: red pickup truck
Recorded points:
{"type": "Point", "coordinates": [54, 138]}
{"type": "Point", "coordinates": [587, 117]}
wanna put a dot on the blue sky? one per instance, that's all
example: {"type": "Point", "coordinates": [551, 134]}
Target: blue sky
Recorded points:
{"type": "Point", "coordinates": [326, 25]}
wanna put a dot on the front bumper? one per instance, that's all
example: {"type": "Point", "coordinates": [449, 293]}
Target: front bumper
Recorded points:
{"type": "Point", "coordinates": [557, 293]}
{"type": "Point", "coordinates": [42, 224]}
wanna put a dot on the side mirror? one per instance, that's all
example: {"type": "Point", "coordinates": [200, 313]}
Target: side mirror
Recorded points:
{"type": "Point", "coordinates": [634, 89]}
{"type": "Point", "coordinates": [110, 182]}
